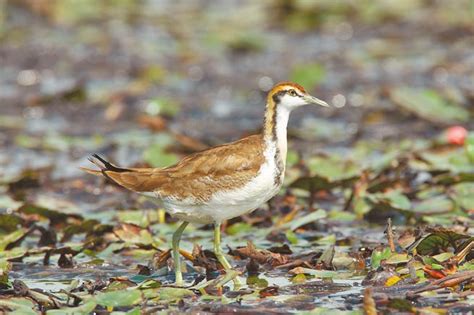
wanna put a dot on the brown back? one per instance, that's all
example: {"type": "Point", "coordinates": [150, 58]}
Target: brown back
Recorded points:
{"type": "Point", "coordinates": [201, 174]}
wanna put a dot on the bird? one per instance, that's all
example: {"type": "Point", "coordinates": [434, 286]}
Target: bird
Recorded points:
{"type": "Point", "coordinates": [222, 182]}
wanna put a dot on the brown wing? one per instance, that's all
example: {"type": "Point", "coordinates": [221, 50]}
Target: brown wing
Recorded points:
{"type": "Point", "coordinates": [198, 175]}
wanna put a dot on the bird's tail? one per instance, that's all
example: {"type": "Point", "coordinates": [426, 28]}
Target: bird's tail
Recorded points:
{"type": "Point", "coordinates": [103, 165]}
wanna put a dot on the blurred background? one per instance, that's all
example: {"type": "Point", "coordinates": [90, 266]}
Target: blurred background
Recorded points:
{"type": "Point", "coordinates": [84, 76]}
{"type": "Point", "coordinates": [145, 82]}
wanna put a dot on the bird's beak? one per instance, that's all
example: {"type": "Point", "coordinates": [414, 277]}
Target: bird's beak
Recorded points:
{"type": "Point", "coordinates": [313, 100]}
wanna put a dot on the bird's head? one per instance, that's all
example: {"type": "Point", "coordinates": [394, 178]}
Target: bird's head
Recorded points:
{"type": "Point", "coordinates": [292, 95]}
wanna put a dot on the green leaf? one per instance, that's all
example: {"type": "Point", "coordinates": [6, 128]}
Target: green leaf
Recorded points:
{"type": "Point", "coordinates": [327, 240]}
{"type": "Point", "coordinates": [464, 195]}
{"type": "Point", "coordinates": [393, 199]}
{"type": "Point", "coordinates": [239, 227]}
{"type": "Point", "coordinates": [9, 222]}
{"type": "Point", "coordinates": [428, 104]}
{"type": "Point", "coordinates": [308, 218]}
{"type": "Point", "coordinates": [119, 298]}
{"type": "Point", "coordinates": [339, 216]}
{"type": "Point", "coordinates": [291, 236]}
{"type": "Point", "coordinates": [83, 309]}
{"type": "Point", "coordinates": [156, 156]}
{"type": "Point", "coordinates": [378, 256]}
{"type": "Point", "coordinates": [18, 306]}
{"type": "Point", "coordinates": [439, 241]}
{"type": "Point", "coordinates": [5, 267]}
{"type": "Point", "coordinates": [324, 273]}
{"type": "Point", "coordinates": [255, 281]}
{"type": "Point", "coordinates": [328, 172]}
{"type": "Point", "coordinates": [437, 204]}
{"type": "Point", "coordinates": [173, 294]}
{"type": "Point", "coordinates": [308, 75]}
{"type": "Point", "coordinates": [8, 239]}
{"type": "Point", "coordinates": [396, 258]}
{"type": "Point", "coordinates": [469, 145]}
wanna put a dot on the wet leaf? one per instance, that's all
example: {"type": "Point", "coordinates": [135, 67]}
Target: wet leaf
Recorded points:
{"type": "Point", "coordinates": [11, 238]}
{"type": "Point", "coordinates": [393, 199]}
{"type": "Point", "coordinates": [327, 173]}
{"type": "Point", "coordinates": [438, 204]}
{"type": "Point", "coordinates": [86, 308]}
{"type": "Point", "coordinates": [18, 305]}
{"type": "Point", "coordinates": [133, 234]}
{"type": "Point", "coordinates": [9, 222]}
{"type": "Point", "coordinates": [464, 195]}
{"type": "Point", "coordinates": [119, 298]}
{"type": "Point", "coordinates": [174, 294]}
{"type": "Point", "coordinates": [308, 218]}
{"type": "Point", "coordinates": [428, 104]}
{"type": "Point", "coordinates": [439, 241]}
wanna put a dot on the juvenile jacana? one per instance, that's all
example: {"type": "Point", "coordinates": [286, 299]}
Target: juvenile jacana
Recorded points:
{"type": "Point", "coordinates": [222, 182]}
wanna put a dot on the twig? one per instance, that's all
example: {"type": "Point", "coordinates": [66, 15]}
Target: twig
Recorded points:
{"type": "Point", "coordinates": [389, 232]}
{"type": "Point", "coordinates": [369, 303]}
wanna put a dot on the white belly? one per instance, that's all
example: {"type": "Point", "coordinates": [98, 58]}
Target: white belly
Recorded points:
{"type": "Point", "coordinates": [228, 204]}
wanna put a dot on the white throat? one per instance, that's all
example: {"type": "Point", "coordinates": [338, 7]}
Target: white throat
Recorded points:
{"type": "Point", "coordinates": [278, 137]}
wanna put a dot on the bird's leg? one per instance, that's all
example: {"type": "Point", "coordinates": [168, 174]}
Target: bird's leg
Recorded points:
{"type": "Point", "coordinates": [220, 255]}
{"type": "Point", "coordinates": [177, 266]}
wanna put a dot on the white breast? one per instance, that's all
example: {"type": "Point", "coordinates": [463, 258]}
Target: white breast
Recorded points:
{"type": "Point", "coordinates": [229, 204]}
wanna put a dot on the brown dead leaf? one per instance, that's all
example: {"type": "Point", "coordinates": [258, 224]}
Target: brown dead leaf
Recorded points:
{"type": "Point", "coordinates": [205, 259]}
{"type": "Point", "coordinates": [261, 256]}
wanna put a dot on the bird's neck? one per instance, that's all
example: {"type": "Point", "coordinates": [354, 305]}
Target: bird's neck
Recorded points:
{"type": "Point", "coordinates": [274, 129]}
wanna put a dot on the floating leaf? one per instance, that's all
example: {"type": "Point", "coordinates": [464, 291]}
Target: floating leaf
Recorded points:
{"type": "Point", "coordinates": [11, 238]}
{"type": "Point", "coordinates": [321, 273]}
{"type": "Point", "coordinates": [9, 222]}
{"type": "Point", "coordinates": [308, 218]}
{"type": "Point", "coordinates": [464, 195]}
{"type": "Point", "coordinates": [174, 294]}
{"type": "Point", "coordinates": [428, 104]}
{"type": "Point", "coordinates": [327, 173]}
{"type": "Point", "coordinates": [393, 199]}
{"type": "Point", "coordinates": [119, 298]}
{"type": "Point", "coordinates": [438, 204]}
{"type": "Point", "coordinates": [18, 306]}
{"type": "Point", "coordinates": [440, 240]}
{"type": "Point", "coordinates": [85, 308]}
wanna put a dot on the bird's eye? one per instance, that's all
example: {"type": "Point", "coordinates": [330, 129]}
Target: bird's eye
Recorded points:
{"type": "Point", "coordinates": [293, 93]}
